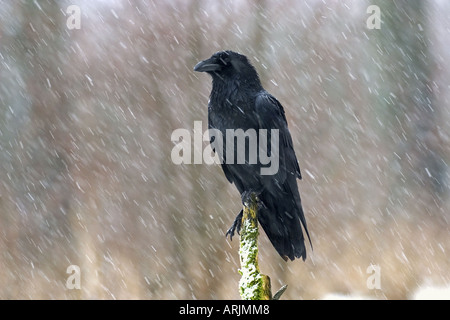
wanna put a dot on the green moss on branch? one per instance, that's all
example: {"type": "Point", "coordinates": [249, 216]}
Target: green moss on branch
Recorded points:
{"type": "Point", "coordinates": [253, 285]}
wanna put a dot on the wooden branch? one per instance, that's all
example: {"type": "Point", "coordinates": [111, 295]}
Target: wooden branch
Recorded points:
{"type": "Point", "coordinates": [253, 285]}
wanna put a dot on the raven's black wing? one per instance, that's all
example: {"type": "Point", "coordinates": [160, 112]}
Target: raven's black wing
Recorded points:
{"type": "Point", "coordinates": [270, 115]}
{"type": "Point", "coordinates": [281, 194]}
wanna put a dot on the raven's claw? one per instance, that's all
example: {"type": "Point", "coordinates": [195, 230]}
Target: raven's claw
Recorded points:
{"type": "Point", "coordinates": [246, 196]}
{"type": "Point", "coordinates": [236, 226]}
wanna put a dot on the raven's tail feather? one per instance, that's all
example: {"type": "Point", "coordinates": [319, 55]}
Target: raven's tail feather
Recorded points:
{"type": "Point", "coordinates": [281, 221]}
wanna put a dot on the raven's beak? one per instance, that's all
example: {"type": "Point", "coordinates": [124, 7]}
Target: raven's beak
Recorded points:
{"type": "Point", "coordinates": [206, 66]}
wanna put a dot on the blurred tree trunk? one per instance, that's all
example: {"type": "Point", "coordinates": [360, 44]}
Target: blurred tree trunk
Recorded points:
{"type": "Point", "coordinates": [41, 194]}
{"type": "Point", "coordinates": [405, 105]}
{"type": "Point", "coordinates": [259, 34]}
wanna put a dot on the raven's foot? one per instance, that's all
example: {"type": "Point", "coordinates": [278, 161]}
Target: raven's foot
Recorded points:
{"type": "Point", "coordinates": [246, 196]}
{"type": "Point", "coordinates": [236, 226]}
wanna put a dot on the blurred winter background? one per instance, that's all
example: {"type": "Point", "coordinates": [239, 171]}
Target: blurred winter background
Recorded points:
{"type": "Point", "coordinates": [87, 116]}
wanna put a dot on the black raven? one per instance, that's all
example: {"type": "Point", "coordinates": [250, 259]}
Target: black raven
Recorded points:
{"type": "Point", "coordinates": [238, 101]}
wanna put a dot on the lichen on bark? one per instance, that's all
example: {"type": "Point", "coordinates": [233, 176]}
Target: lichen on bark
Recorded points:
{"type": "Point", "coordinates": [253, 285]}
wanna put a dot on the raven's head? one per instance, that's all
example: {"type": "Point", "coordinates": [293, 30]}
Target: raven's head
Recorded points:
{"type": "Point", "coordinates": [227, 64]}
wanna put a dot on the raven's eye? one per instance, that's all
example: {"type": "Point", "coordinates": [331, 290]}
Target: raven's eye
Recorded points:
{"type": "Point", "coordinates": [224, 58]}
